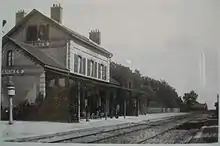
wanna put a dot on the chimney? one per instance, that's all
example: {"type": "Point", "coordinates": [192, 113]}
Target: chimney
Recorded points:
{"type": "Point", "coordinates": [19, 15]}
{"type": "Point", "coordinates": [56, 12]}
{"type": "Point", "coordinates": [95, 36]}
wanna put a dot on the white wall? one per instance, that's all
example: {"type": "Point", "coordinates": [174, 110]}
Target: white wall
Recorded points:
{"type": "Point", "coordinates": [88, 54]}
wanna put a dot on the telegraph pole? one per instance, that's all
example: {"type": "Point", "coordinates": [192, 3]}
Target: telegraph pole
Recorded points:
{"type": "Point", "coordinates": [3, 22]}
{"type": "Point", "coordinates": [217, 105]}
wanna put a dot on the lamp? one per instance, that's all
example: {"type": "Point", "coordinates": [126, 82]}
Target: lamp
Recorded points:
{"type": "Point", "coordinates": [11, 93]}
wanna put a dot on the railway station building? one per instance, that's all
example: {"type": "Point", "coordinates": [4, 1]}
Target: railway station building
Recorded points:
{"type": "Point", "coordinates": [67, 72]}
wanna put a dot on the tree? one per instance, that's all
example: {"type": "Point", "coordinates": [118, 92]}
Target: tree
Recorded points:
{"type": "Point", "coordinates": [120, 73]}
{"type": "Point", "coordinates": [159, 90]}
{"type": "Point", "coordinates": [190, 98]}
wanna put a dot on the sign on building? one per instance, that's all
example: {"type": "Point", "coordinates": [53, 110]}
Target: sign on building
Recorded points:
{"type": "Point", "coordinates": [12, 72]}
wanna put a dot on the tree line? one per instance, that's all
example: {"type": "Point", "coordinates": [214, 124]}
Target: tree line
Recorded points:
{"type": "Point", "coordinates": [159, 90]}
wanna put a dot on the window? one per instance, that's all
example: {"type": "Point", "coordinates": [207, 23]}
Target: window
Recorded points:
{"type": "Point", "coordinates": [102, 71]}
{"type": "Point", "coordinates": [31, 33]}
{"type": "Point", "coordinates": [42, 32]}
{"type": "Point", "coordinates": [91, 68]}
{"type": "Point", "coordinates": [99, 71]}
{"type": "Point", "coordinates": [10, 58]}
{"type": "Point", "coordinates": [95, 70]}
{"type": "Point", "coordinates": [129, 85]}
{"type": "Point", "coordinates": [75, 63]}
{"type": "Point", "coordinates": [88, 67]}
{"type": "Point", "coordinates": [84, 66]}
{"type": "Point", "coordinates": [34, 32]}
{"type": "Point", "coordinates": [79, 66]}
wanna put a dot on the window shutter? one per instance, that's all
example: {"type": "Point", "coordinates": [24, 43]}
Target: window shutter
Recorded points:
{"type": "Point", "coordinates": [47, 32]}
{"type": "Point", "coordinates": [99, 71]}
{"type": "Point", "coordinates": [12, 58]}
{"type": "Point", "coordinates": [102, 70]}
{"type": "Point", "coordinates": [92, 68]}
{"type": "Point", "coordinates": [95, 70]}
{"type": "Point", "coordinates": [104, 73]}
{"type": "Point", "coordinates": [42, 32]}
{"type": "Point", "coordinates": [80, 64]}
{"type": "Point", "coordinates": [84, 66]}
{"type": "Point", "coordinates": [88, 67]}
{"type": "Point", "coordinates": [75, 63]}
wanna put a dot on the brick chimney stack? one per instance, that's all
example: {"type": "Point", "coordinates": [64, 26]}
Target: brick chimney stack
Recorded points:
{"type": "Point", "coordinates": [56, 12]}
{"type": "Point", "coordinates": [19, 15]}
{"type": "Point", "coordinates": [95, 36]}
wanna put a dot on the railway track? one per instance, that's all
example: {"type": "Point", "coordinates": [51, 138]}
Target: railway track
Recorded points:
{"type": "Point", "coordinates": [144, 135]}
{"type": "Point", "coordinates": [132, 133]}
{"type": "Point", "coordinates": [117, 133]}
{"type": "Point", "coordinates": [177, 133]}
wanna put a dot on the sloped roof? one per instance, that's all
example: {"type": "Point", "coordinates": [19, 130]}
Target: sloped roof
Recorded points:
{"type": "Point", "coordinates": [37, 54]}
{"type": "Point", "coordinates": [64, 28]}
{"type": "Point", "coordinates": [114, 81]}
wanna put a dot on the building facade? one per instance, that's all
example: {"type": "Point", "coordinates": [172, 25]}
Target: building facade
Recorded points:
{"type": "Point", "coordinates": [68, 73]}
{"type": "Point", "coordinates": [66, 49]}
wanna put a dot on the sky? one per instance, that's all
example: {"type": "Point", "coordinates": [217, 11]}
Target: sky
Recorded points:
{"type": "Point", "coordinates": [164, 39]}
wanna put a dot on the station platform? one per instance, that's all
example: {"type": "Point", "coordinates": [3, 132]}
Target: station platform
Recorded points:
{"type": "Point", "coordinates": [24, 129]}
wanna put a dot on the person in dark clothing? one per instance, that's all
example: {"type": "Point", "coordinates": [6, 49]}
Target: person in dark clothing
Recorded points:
{"type": "Point", "coordinates": [117, 111]}
{"type": "Point", "coordinates": [87, 113]}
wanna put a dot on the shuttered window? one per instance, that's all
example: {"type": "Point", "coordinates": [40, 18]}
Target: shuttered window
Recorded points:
{"type": "Point", "coordinates": [88, 67]}
{"type": "Point", "coordinates": [99, 71]}
{"type": "Point", "coordinates": [95, 70]}
{"type": "Point", "coordinates": [104, 73]}
{"type": "Point", "coordinates": [91, 68]}
{"type": "Point", "coordinates": [47, 32]}
{"type": "Point", "coordinates": [84, 66]}
{"type": "Point", "coordinates": [75, 62]}
{"type": "Point", "coordinates": [80, 63]}
{"type": "Point", "coordinates": [10, 58]}
{"type": "Point", "coordinates": [32, 33]}
{"type": "Point", "coordinates": [42, 32]}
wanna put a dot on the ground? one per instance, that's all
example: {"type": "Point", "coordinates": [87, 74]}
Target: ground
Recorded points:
{"type": "Point", "coordinates": [27, 129]}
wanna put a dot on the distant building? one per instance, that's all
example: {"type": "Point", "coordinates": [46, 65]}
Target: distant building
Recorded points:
{"type": "Point", "coordinates": [199, 107]}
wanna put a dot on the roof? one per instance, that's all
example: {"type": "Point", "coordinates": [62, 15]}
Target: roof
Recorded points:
{"type": "Point", "coordinates": [114, 81]}
{"type": "Point", "coordinates": [37, 54]}
{"type": "Point", "coordinates": [199, 105]}
{"type": "Point", "coordinates": [64, 28]}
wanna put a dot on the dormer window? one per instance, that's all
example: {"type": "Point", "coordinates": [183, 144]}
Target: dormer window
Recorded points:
{"type": "Point", "coordinates": [31, 34]}
{"type": "Point", "coordinates": [35, 32]}
{"type": "Point", "coordinates": [10, 58]}
{"type": "Point", "coordinates": [43, 32]}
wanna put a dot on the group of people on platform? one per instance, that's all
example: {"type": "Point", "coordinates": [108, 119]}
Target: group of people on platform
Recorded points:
{"type": "Point", "coordinates": [99, 112]}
